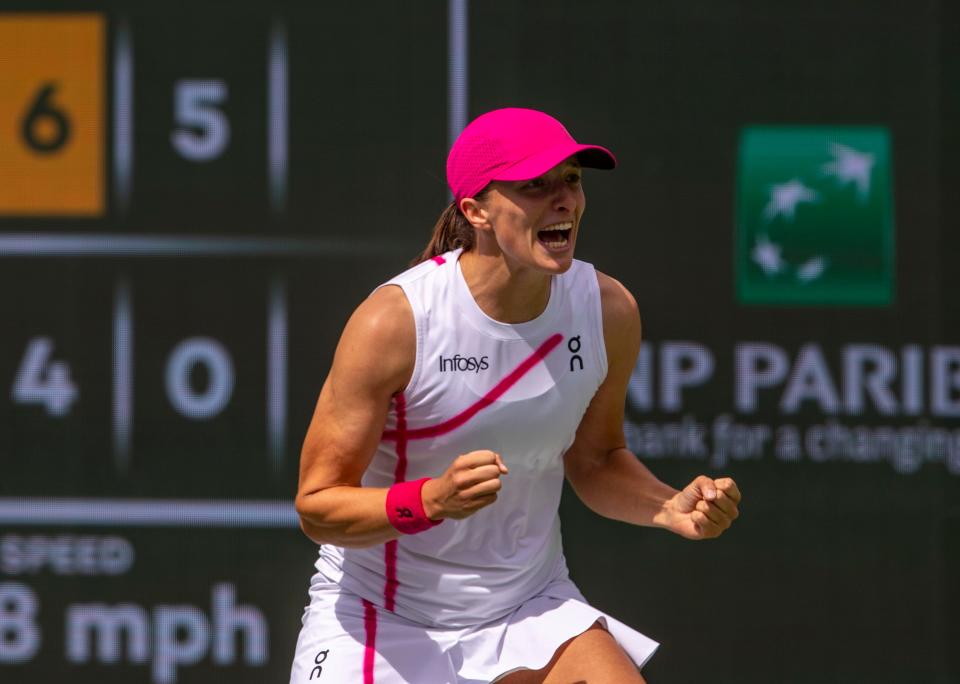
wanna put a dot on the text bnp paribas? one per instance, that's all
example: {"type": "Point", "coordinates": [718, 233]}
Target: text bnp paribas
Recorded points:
{"type": "Point", "coordinates": [830, 392]}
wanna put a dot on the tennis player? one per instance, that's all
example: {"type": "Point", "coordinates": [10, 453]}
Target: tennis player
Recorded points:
{"type": "Point", "coordinates": [462, 392]}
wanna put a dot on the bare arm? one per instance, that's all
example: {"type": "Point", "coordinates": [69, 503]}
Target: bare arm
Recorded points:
{"type": "Point", "coordinates": [373, 362]}
{"type": "Point", "coordinates": [606, 476]}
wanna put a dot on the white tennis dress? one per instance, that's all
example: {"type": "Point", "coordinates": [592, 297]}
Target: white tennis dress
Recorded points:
{"type": "Point", "coordinates": [469, 600]}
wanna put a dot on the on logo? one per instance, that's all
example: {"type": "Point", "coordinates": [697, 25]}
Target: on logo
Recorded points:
{"type": "Point", "coordinates": [319, 660]}
{"type": "Point", "coordinates": [573, 344]}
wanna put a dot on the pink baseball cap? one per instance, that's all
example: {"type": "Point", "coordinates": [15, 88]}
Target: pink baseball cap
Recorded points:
{"type": "Point", "coordinates": [514, 144]}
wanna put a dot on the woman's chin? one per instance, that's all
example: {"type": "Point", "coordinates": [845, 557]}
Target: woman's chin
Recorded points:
{"type": "Point", "coordinates": [553, 259]}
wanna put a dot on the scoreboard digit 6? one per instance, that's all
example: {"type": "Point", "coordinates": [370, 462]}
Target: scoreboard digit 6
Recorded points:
{"type": "Point", "coordinates": [51, 115]}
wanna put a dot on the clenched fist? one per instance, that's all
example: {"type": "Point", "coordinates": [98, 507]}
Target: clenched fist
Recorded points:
{"type": "Point", "coordinates": [704, 509]}
{"type": "Point", "coordinates": [469, 484]}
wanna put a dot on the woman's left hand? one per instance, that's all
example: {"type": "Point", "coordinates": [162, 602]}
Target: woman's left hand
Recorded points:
{"type": "Point", "coordinates": [704, 509]}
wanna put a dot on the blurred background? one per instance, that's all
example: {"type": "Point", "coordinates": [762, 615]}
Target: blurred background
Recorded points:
{"type": "Point", "coordinates": [195, 196]}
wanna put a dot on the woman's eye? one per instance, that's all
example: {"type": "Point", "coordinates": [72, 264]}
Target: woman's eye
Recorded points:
{"type": "Point", "coordinates": [573, 178]}
{"type": "Point", "coordinates": [535, 184]}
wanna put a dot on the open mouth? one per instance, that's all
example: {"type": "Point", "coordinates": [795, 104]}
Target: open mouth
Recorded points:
{"type": "Point", "coordinates": [556, 236]}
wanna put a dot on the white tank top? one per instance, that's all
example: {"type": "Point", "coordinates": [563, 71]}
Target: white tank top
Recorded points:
{"type": "Point", "coordinates": [517, 389]}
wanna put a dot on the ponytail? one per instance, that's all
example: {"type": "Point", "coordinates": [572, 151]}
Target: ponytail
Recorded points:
{"type": "Point", "coordinates": [452, 231]}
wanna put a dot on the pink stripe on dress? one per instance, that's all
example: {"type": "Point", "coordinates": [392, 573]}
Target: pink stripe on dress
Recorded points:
{"type": "Point", "coordinates": [399, 475]}
{"type": "Point", "coordinates": [370, 647]}
{"type": "Point", "coordinates": [486, 400]}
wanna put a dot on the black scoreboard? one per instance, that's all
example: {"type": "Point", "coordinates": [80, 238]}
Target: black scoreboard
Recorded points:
{"type": "Point", "coordinates": [192, 200]}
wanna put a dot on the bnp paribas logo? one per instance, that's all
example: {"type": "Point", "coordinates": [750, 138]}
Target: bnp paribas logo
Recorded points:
{"type": "Point", "coordinates": [814, 216]}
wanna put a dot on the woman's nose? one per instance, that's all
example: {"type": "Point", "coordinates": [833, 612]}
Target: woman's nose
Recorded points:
{"type": "Point", "coordinates": [564, 197]}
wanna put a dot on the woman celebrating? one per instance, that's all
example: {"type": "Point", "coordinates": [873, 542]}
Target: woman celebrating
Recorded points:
{"type": "Point", "coordinates": [462, 392]}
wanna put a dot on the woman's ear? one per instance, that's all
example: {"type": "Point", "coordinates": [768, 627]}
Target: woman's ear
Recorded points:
{"type": "Point", "coordinates": [474, 212]}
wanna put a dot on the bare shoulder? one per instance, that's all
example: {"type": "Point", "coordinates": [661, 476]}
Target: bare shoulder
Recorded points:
{"type": "Point", "coordinates": [386, 313]}
{"type": "Point", "coordinates": [621, 316]}
{"type": "Point", "coordinates": [379, 341]}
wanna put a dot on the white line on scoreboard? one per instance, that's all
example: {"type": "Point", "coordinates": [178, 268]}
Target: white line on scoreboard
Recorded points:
{"type": "Point", "coordinates": [458, 74]}
{"type": "Point", "coordinates": [277, 119]}
{"type": "Point", "coordinates": [112, 245]}
{"type": "Point", "coordinates": [147, 512]}
{"type": "Point", "coordinates": [122, 375]}
{"type": "Point", "coordinates": [277, 373]}
{"type": "Point", "coordinates": [122, 115]}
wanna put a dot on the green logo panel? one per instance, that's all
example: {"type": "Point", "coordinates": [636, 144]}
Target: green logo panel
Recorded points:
{"type": "Point", "coordinates": [814, 216]}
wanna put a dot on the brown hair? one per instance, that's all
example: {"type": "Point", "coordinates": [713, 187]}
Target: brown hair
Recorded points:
{"type": "Point", "coordinates": [451, 231]}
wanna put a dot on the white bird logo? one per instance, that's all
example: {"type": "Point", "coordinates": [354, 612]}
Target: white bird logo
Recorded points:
{"type": "Point", "coordinates": [850, 166]}
{"type": "Point", "coordinates": [784, 198]}
{"type": "Point", "coordinates": [767, 255]}
{"type": "Point", "coordinates": [812, 269]}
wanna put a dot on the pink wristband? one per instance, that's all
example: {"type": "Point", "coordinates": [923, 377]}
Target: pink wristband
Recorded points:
{"type": "Point", "coordinates": [405, 508]}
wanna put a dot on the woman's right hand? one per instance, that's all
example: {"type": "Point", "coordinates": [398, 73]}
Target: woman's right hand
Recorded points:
{"type": "Point", "coordinates": [469, 484]}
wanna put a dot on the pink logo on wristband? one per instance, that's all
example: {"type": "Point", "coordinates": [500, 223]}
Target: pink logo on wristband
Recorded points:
{"type": "Point", "coordinates": [405, 507]}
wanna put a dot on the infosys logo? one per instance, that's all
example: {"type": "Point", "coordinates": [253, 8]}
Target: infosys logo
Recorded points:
{"type": "Point", "coordinates": [463, 363]}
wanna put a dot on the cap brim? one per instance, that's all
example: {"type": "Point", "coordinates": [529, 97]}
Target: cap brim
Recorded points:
{"type": "Point", "coordinates": [589, 156]}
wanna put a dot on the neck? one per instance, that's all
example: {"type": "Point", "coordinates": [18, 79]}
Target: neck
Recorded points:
{"type": "Point", "coordinates": [504, 293]}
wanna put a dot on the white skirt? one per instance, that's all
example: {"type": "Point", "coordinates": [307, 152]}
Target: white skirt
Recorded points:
{"type": "Point", "coordinates": [348, 640]}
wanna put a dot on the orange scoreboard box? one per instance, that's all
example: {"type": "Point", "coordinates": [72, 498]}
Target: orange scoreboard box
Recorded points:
{"type": "Point", "coordinates": [52, 114]}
